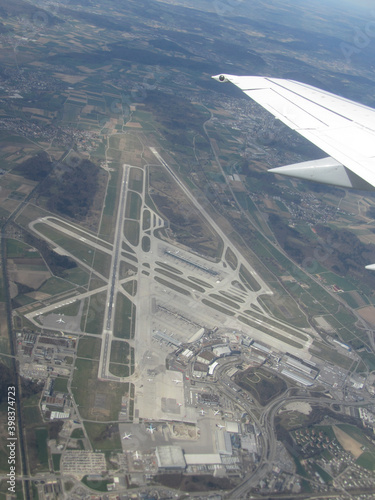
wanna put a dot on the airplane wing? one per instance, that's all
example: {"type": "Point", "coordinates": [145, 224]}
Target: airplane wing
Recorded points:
{"type": "Point", "coordinates": [343, 129]}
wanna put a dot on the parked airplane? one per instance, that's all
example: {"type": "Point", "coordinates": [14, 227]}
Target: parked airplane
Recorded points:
{"type": "Point", "coordinates": [216, 412]}
{"type": "Point", "coordinates": [220, 426]}
{"type": "Point", "coordinates": [60, 320]}
{"type": "Point", "coordinates": [202, 412]}
{"type": "Point", "coordinates": [179, 404]}
{"type": "Point", "coordinates": [343, 129]}
{"type": "Point", "coordinates": [176, 381]}
{"type": "Point", "coordinates": [151, 429]}
{"type": "Point", "coordinates": [127, 436]}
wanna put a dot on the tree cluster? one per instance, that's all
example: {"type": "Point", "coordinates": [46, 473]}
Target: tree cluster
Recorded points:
{"type": "Point", "coordinates": [71, 189]}
{"type": "Point", "coordinates": [36, 168]}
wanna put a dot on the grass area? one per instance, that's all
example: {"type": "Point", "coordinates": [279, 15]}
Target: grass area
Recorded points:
{"type": "Point", "coordinates": [103, 437]}
{"type": "Point", "coordinates": [180, 280]}
{"type": "Point", "coordinates": [124, 324]}
{"type": "Point", "coordinates": [133, 206]}
{"type": "Point", "coordinates": [126, 270]}
{"type": "Point", "coordinates": [77, 275]}
{"type": "Point", "coordinates": [89, 347]}
{"type": "Point", "coordinates": [81, 251]}
{"type": "Point", "coordinates": [358, 435]}
{"type": "Point", "coordinates": [32, 415]}
{"type": "Point", "coordinates": [85, 370]}
{"type": "Point", "coordinates": [279, 325]}
{"type": "Point", "coordinates": [200, 282]}
{"type": "Point", "coordinates": [97, 400]}
{"type": "Point", "coordinates": [60, 384]}
{"type": "Point", "coordinates": [136, 179]}
{"type": "Point", "coordinates": [231, 296]}
{"type": "Point", "coordinates": [217, 307]}
{"type": "Point", "coordinates": [77, 433]}
{"type": "Point", "coordinates": [18, 249]}
{"type": "Point", "coordinates": [368, 359]}
{"type": "Point", "coordinates": [270, 332]}
{"type": "Point", "coordinates": [54, 286]}
{"type": "Point", "coordinates": [168, 267]}
{"type": "Point", "coordinates": [41, 435]}
{"type": "Point", "coordinates": [102, 263]}
{"type": "Point", "coordinates": [248, 279]}
{"type": "Point", "coordinates": [119, 369]}
{"type": "Point", "coordinates": [146, 220]}
{"type": "Point", "coordinates": [168, 284]}
{"type": "Point", "coordinates": [130, 287]}
{"type": "Point", "coordinates": [120, 352]}
{"type": "Point", "coordinates": [366, 460]}
{"type": "Point", "coordinates": [56, 459]}
{"type": "Point", "coordinates": [129, 256]}
{"type": "Point", "coordinates": [93, 322]}
{"type": "Point", "coordinates": [131, 231]}
{"type": "Point", "coordinates": [330, 354]}
{"type": "Point", "coordinates": [69, 309]}
{"type": "Point", "coordinates": [333, 279]}
{"type": "Point", "coordinates": [98, 485]}
{"type": "Point", "coordinates": [224, 300]}
{"type": "Point", "coordinates": [146, 244]}
{"type": "Point", "coordinates": [231, 259]}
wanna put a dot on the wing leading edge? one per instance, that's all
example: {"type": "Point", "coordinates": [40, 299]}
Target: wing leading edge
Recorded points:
{"type": "Point", "coordinates": [345, 130]}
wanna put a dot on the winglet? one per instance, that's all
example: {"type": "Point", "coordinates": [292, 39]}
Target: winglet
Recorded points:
{"type": "Point", "coordinates": [220, 78]}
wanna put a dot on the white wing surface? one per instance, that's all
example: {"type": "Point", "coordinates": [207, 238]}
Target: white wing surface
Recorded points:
{"type": "Point", "coordinates": [344, 129]}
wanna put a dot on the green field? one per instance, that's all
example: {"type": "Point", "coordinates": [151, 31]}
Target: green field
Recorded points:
{"type": "Point", "coordinates": [224, 300]}
{"type": "Point", "coordinates": [330, 354]}
{"type": "Point", "coordinates": [168, 284]}
{"type": "Point", "coordinates": [133, 206]}
{"type": "Point", "coordinates": [41, 435]}
{"type": "Point", "coordinates": [146, 220]}
{"type": "Point", "coordinates": [131, 231]}
{"type": "Point", "coordinates": [248, 279]}
{"type": "Point", "coordinates": [103, 437]}
{"type": "Point", "coordinates": [61, 384]}
{"type": "Point", "coordinates": [92, 322]}
{"type": "Point", "coordinates": [124, 324]}
{"type": "Point", "coordinates": [231, 259]}
{"type": "Point", "coordinates": [217, 307]}
{"type": "Point", "coordinates": [168, 267]}
{"type": "Point", "coordinates": [130, 287]}
{"type": "Point", "coordinates": [119, 369]}
{"type": "Point", "coordinates": [54, 286]}
{"type": "Point", "coordinates": [120, 352]}
{"type": "Point", "coordinates": [18, 249]}
{"type": "Point", "coordinates": [146, 244]}
{"type": "Point", "coordinates": [270, 332]}
{"type": "Point", "coordinates": [56, 459]}
{"type": "Point", "coordinates": [182, 281]}
{"type": "Point", "coordinates": [89, 347]}
{"type": "Point", "coordinates": [366, 460]}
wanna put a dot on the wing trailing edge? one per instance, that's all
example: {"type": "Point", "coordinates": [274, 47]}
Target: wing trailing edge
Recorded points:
{"type": "Point", "coordinates": [326, 171]}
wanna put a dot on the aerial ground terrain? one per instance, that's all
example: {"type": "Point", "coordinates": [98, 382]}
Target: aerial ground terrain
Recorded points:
{"type": "Point", "coordinates": [175, 321]}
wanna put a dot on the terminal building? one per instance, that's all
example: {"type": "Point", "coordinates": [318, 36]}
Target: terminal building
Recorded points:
{"type": "Point", "coordinates": [170, 458]}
